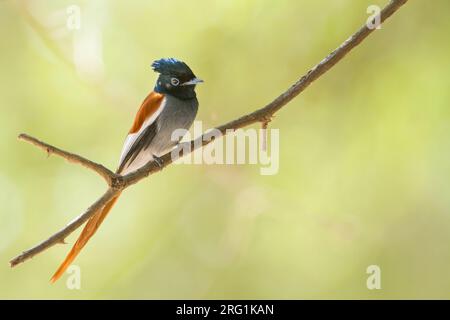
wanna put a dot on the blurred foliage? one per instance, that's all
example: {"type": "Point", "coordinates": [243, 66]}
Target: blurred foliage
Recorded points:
{"type": "Point", "coordinates": [365, 151]}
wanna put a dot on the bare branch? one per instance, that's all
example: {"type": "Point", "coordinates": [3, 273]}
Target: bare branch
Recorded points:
{"type": "Point", "coordinates": [104, 172]}
{"type": "Point", "coordinates": [119, 183]}
{"type": "Point", "coordinates": [60, 236]}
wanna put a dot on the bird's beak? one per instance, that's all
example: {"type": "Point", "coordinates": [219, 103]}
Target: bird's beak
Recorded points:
{"type": "Point", "coordinates": [192, 82]}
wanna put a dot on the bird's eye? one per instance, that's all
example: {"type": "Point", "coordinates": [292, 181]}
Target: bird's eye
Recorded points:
{"type": "Point", "coordinates": [174, 81]}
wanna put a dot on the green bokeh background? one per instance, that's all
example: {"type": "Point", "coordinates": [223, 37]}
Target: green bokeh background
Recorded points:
{"type": "Point", "coordinates": [364, 173]}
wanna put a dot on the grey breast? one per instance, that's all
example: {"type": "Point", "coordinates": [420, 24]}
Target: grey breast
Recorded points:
{"type": "Point", "coordinates": [177, 114]}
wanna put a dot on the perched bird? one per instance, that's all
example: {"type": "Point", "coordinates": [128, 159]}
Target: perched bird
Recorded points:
{"type": "Point", "coordinates": [171, 105]}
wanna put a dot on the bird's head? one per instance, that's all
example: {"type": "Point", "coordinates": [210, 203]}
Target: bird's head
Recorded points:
{"type": "Point", "coordinates": [176, 78]}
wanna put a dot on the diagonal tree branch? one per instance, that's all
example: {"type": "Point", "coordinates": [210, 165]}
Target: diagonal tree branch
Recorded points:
{"type": "Point", "coordinates": [60, 236]}
{"type": "Point", "coordinates": [118, 183]}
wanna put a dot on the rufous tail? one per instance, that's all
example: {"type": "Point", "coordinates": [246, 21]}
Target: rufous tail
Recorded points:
{"type": "Point", "coordinates": [89, 229]}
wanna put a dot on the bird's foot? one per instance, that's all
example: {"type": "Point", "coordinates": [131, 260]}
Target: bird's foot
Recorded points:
{"type": "Point", "coordinates": [158, 161]}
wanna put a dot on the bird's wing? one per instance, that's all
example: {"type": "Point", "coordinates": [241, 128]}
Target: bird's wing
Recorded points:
{"type": "Point", "coordinates": [140, 135]}
{"type": "Point", "coordinates": [143, 129]}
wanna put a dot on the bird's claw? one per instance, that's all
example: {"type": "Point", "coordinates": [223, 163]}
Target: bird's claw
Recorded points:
{"type": "Point", "coordinates": [158, 161]}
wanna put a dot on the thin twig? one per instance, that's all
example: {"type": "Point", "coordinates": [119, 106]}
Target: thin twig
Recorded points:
{"type": "Point", "coordinates": [119, 183]}
{"type": "Point", "coordinates": [104, 172]}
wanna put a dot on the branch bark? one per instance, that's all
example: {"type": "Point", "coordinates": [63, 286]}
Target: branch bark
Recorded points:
{"type": "Point", "coordinates": [118, 183]}
{"type": "Point", "coordinates": [104, 172]}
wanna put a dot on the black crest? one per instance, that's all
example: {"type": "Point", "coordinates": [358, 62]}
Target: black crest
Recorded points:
{"type": "Point", "coordinates": [171, 66]}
